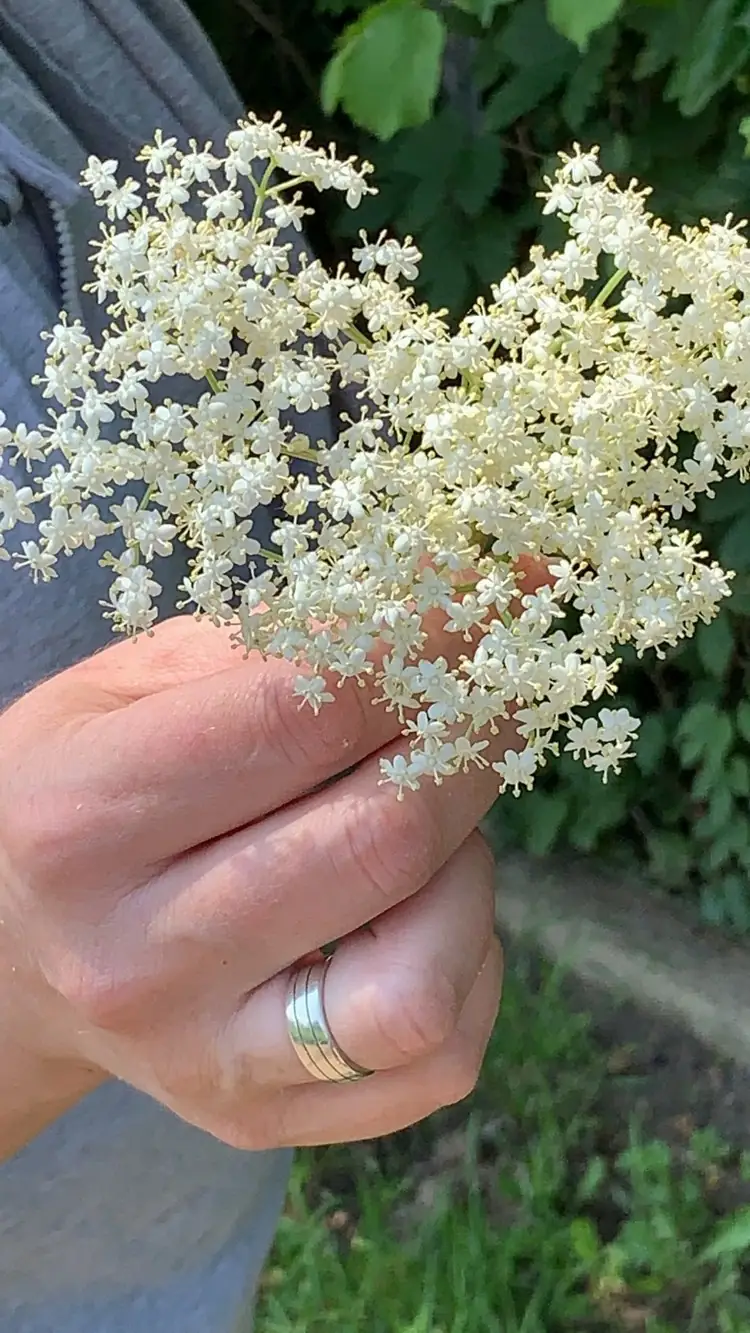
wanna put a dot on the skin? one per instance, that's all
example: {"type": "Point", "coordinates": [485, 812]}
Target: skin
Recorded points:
{"type": "Point", "coordinates": [167, 853]}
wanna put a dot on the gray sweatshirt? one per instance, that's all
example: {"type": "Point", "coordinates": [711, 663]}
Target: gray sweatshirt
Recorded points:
{"type": "Point", "coordinates": [120, 1218]}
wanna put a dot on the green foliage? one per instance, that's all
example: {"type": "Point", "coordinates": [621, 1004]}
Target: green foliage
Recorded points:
{"type": "Point", "coordinates": [549, 1224]}
{"type": "Point", "coordinates": [578, 21]}
{"type": "Point", "coordinates": [462, 106]}
{"type": "Point", "coordinates": [402, 37]}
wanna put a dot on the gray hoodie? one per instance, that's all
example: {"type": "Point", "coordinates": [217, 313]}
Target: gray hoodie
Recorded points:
{"type": "Point", "coordinates": [119, 1218]}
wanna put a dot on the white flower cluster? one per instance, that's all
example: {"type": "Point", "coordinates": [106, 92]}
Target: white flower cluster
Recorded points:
{"type": "Point", "coordinates": [571, 420]}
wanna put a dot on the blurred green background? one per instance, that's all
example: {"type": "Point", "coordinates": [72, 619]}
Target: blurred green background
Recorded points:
{"type": "Point", "coordinates": [462, 106]}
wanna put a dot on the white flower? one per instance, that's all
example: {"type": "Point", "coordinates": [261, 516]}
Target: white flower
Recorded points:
{"type": "Point", "coordinates": [223, 204]}
{"type": "Point", "coordinates": [399, 772]}
{"type": "Point", "coordinates": [517, 769]}
{"type": "Point", "coordinates": [617, 725]}
{"type": "Point", "coordinates": [100, 177]}
{"type": "Point", "coordinates": [124, 200]}
{"type": "Point", "coordinates": [38, 560]}
{"type": "Point", "coordinates": [158, 154]}
{"type": "Point", "coordinates": [399, 259]}
{"type": "Point", "coordinates": [545, 426]}
{"type": "Point", "coordinates": [312, 690]}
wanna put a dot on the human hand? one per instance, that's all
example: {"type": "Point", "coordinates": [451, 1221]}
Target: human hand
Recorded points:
{"type": "Point", "coordinates": [166, 855]}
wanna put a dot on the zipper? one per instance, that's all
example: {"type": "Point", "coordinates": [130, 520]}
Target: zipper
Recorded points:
{"type": "Point", "coordinates": [66, 259]}
{"type": "Point", "coordinates": [19, 165]}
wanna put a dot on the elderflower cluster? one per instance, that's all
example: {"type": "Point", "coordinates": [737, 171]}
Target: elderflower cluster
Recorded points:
{"type": "Point", "coordinates": [568, 423]}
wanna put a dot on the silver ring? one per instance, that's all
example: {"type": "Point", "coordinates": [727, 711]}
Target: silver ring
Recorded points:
{"type": "Point", "coordinates": [316, 1047]}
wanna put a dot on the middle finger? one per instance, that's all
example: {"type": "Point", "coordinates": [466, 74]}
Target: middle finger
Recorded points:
{"type": "Point", "coordinates": [322, 868]}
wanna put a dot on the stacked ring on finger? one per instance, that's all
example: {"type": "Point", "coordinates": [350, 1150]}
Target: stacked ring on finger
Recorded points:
{"type": "Point", "coordinates": [309, 1030]}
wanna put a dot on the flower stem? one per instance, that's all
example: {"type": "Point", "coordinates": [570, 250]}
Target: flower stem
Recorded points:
{"type": "Point", "coordinates": [609, 287]}
{"type": "Point", "coordinates": [306, 455]}
{"type": "Point", "coordinates": [261, 192]}
{"type": "Point", "coordinates": [361, 339]}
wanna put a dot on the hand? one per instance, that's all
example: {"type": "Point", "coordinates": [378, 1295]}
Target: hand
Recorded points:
{"type": "Point", "coordinates": [166, 854]}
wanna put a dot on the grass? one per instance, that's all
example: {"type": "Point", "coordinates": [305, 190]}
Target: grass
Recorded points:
{"type": "Point", "coordinates": [531, 1209]}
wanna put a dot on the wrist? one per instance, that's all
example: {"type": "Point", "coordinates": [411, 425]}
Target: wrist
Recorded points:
{"type": "Point", "coordinates": [40, 1079]}
{"type": "Point", "coordinates": [36, 1091]}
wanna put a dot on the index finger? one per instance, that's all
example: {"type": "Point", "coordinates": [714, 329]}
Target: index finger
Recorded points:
{"type": "Point", "coordinates": [169, 771]}
{"type": "Point", "coordinates": [149, 777]}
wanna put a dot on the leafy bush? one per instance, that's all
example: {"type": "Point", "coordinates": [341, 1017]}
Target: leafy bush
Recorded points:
{"type": "Point", "coordinates": [463, 105]}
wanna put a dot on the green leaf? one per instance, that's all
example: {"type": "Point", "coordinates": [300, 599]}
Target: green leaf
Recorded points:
{"type": "Point", "coordinates": [545, 814]}
{"type": "Point", "coordinates": [720, 741]}
{"type": "Point", "coordinates": [481, 9]}
{"type": "Point", "coordinates": [704, 782]}
{"type": "Point", "coordinates": [730, 497]}
{"type": "Point", "coordinates": [387, 72]}
{"type": "Point", "coordinates": [578, 19]}
{"type": "Point", "coordinates": [593, 1178]}
{"type": "Point", "coordinates": [720, 851]}
{"type": "Point", "coordinates": [736, 901]}
{"type": "Point", "coordinates": [493, 243]}
{"type": "Point", "coordinates": [332, 84]}
{"type": "Point", "coordinates": [584, 1239]}
{"type": "Point", "coordinates": [587, 80]}
{"type": "Point", "coordinates": [433, 149]}
{"type": "Point", "coordinates": [651, 743]}
{"type": "Point", "coordinates": [734, 548]}
{"type": "Point", "coordinates": [696, 730]}
{"type": "Point", "coordinates": [720, 813]}
{"type": "Point", "coordinates": [444, 271]}
{"type": "Point", "coordinates": [528, 39]}
{"type": "Point", "coordinates": [715, 646]}
{"type": "Point", "coordinates": [742, 718]}
{"type": "Point", "coordinates": [666, 35]}
{"type": "Point", "coordinates": [338, 6]}
{"type": "Point", "coordinates": [732, 1238]}
{"type": "Point", "coordinates": [524, 91]}
{"type": "Point", "coordinates": [481, 171]}
{"type": "Point", "coordinates": [669, 857]}
{"type": "Point", "coordinates": [718, 50]}
{"type": "Point", "coordinates": [738, 775]}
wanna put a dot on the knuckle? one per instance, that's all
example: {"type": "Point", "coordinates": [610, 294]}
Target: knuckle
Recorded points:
{"type": "Point", "coordinates": [39, 834]}
{"type": "Point", "coordinates": [416, 1020]}
{"type": "Point", "coordinates": [392, 846]}
{"type": "Point", "coordinates": [323, 742]}
{"type": "Point", "coordinates": [105, 998]}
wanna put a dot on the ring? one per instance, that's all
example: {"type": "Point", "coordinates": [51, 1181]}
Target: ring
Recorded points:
{"type": "Point", "coordinates": [310, 1035]}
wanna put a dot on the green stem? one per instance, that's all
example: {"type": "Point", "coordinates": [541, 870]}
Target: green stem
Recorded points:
{"type": "Point", "coordinates": [213, 381]}
{"type": "Point", "coordinates": [609, 287]}
{"type": "Point", "coordinates": [361, 339]}
{"type": "Point", "coordinates": [261, 191]}
{"type": "Point", "coordinates": [288, 185]}
{"type": "Point", "coordinates": [306, 455]}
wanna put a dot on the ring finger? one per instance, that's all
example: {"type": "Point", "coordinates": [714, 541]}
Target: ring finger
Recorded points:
{"type": "Point", "coordinates": [388, 1102]}
{"type": "Point", "coordinates": [394, 991]}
